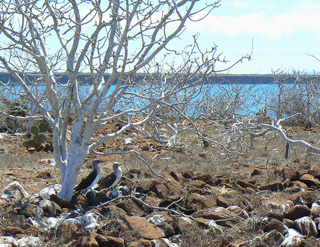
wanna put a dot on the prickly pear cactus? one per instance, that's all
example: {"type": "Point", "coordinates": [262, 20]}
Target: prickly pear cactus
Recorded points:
{"type": "Point", "coordinates": [38, 136]}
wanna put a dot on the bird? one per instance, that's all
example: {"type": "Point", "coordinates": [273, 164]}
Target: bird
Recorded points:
{"type": "Point", "coordinates": [91, 180]}
{"type": "Point", "coordinates": [111, 180]}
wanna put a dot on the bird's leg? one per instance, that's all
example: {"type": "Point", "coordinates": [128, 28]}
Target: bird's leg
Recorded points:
{"type": "Point", "coordinates": [114, 192]}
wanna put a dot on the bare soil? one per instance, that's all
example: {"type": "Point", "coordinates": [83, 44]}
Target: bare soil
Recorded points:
{"type": "Point", "coordinates": [267, 155]}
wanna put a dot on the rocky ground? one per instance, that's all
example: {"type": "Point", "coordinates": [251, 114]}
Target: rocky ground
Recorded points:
{"type": "Point", "coordinates": [190, 195]}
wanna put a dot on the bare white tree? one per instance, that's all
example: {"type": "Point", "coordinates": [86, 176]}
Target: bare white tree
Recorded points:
{"type": "Point", "coordinates": [84, 56]}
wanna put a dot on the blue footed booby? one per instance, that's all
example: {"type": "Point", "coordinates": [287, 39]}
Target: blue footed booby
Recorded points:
{"type": "Point", "coordinates": [111, 180]}
{"type": "Point", "coordinates": [91, 180]}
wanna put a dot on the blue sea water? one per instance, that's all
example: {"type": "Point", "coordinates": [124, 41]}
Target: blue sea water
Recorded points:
{"type": "Point", "coordinates": [234, 94]}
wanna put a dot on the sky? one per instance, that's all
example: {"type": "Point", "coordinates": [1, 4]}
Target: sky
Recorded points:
{"type": "Point", "coordinates": [284, 34]}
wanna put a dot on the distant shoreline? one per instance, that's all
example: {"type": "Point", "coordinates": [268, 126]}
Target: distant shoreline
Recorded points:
{"type": "Point", "coordinates": [215, 79]}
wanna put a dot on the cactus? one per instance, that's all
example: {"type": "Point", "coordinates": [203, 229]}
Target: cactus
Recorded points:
{"type": "Point", "coordinates": [38, 135]}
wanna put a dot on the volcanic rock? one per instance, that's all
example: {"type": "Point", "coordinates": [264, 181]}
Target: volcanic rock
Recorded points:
{"type": "Point", "coordinates": [141, 242]}
{"type": "Point", "coordinates": [66, 231]}
{"type": "Point", "coordinates": [291, 173]}
{"type": "Point", "coordinates": [63, 203]}
{"type": "Point", "coordinates": [275, 224]}
{"type": "Point", "coordinates": [110, 241]}
{"type": "Point", "coordinates": [221, 215]}
{"type": "Point", "coordinates": [144, 228]}
{"type": "Point", "coordinates": [272, 238]}
{"type": "Point", "coordinates": [306, 226]}
{"type": "Point", "coordinates": [310, 180]}
{"type": "Point", "coordinates": [296, 212]}
{"type": "Point", "coordinates": [197, 202]}
{"type": "Point", "coordinates": [12, 231]}
{"type": "Point", "coordinates": [131, 207]}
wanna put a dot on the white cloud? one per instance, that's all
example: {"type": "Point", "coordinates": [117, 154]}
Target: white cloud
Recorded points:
{"type": "Point", "coordinates": [301, 17]}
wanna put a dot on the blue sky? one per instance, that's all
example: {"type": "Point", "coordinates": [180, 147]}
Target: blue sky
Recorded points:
{"type": "Point", "coordinates": [283, 32]}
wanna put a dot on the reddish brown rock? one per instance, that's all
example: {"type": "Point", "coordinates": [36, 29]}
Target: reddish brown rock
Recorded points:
{"type": "Point", "coordinates": [109, 241]}
{"type": "Point", "coordinates": [131, 207]}
{"type": "Point", "coordinates": [256, 171]}
{"type": "Point", "coordinates": [275, 224]}
{"type": "Point", "coordinates": [140, 243]}
{"type": "Point", "coordinates": [88, 241]}
{"type": "Point", "coordinates": [246, 184]}
{"type": "Point", "coordinates": [208, 178]}
{"type": "Point", "coordinates": [12, 231]}
{"type": "Point", "coordinates": [63, 203]}
{"type": "Point", "coordinates": [306, 226]}
{"type": "Point", "coordinates": [165, 188]}
{"type": "Point", "coordinates": [309, 242]}
{"type": "Point", "coordinates": [197, 202]}
{"type": "Point", "coordinates": [315, 173]}
{"type": "Point", "coordinates": [296, 212]}
{"type": "Point", "coordinates": [272, 238]}
{"type": "Point", "coordinates": [185, 172]}
{"type": "Point", "coordinates": [79, 199]}
{"type": "Point", "coordinates": [291, 173]}
{"type": "Point", "coordinates": [66, 232]}
{"type": "Point", "coordinates": [310, 180]}
{"type": "Point", "coordinates": [113, 211]}
{"type": "Point", "coordinates": [222, 202]}
{"type": "Point", "coordinates": [221, 215]}
{"type": "Point", "coordinates": [152, 200]}
{"type": "Point", "coordinates": [288, 223]}
{"type": "Point", "coordinates": [298, 185]}
{"type": "Point", "coordinates": [144, 228]}
{"type": "Point", "coordinates": [44, 175]}
{"type": "Point", "coordinates": [273, 186]}
{"type": "Point", "coordinates": [197, 183]}
{"type": "Point", "coordinates": [305, 197]}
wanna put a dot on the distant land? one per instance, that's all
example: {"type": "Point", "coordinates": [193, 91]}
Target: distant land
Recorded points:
{"type": "Point", "coordinates": [216, 79]}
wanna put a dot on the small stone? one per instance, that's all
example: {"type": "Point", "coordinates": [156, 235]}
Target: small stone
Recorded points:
{"type": "Point", "coordinates": [110, 241]}
{"type": "Point", "coordinates": [291, 173]}
{"type": "Point", "coordinates": [89, 241]}
{"type": "Point", "coordinates": [79, 199]}
{"type": "Point", "coordinates": [144, 228]}
{"type": "Point", "coordinates": [141, 243]}
{"type": "Point", "coordinates": [49, 207]}
{"type": "Point", "coordinates": [66, 231]}
{"type": "Point", "coordinates": [131, 207]}
{"type": "Point", "coordinates": [30, 241]}
{"type": "Point", "coordinates": [315, 210]}
{"type": "Point", "coordinates": [272, 238]}
{"type": "Point", "coordinates": [275, 224]}
{"type": "Point", "coordinates": [63, 203]}
{"type": "Point", "coordinates": [306, 226]}
{"type": "Point", "coordinates": [244, 184]}
{"type": "Point", "coordinates": [197, 183]}
{"type": "Point", "coordinates": [273, 186]}
{"type": "Point", "coordinates": [296, 212]}
{"type": "Point", "coordinates": [292, 238]}
{"type": "Point", "coordinates": [221, 202]}
{"type": "Point", "coordinates": [310, 180]}
{"type": "Point", "coordinates": [12, 231]}
{"type": "Point", "coordinates": [221, 215]}
{"type": "Point", "coordinates": [44, 175]}
{"type": "Point", "coordinates": [199, 202]}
